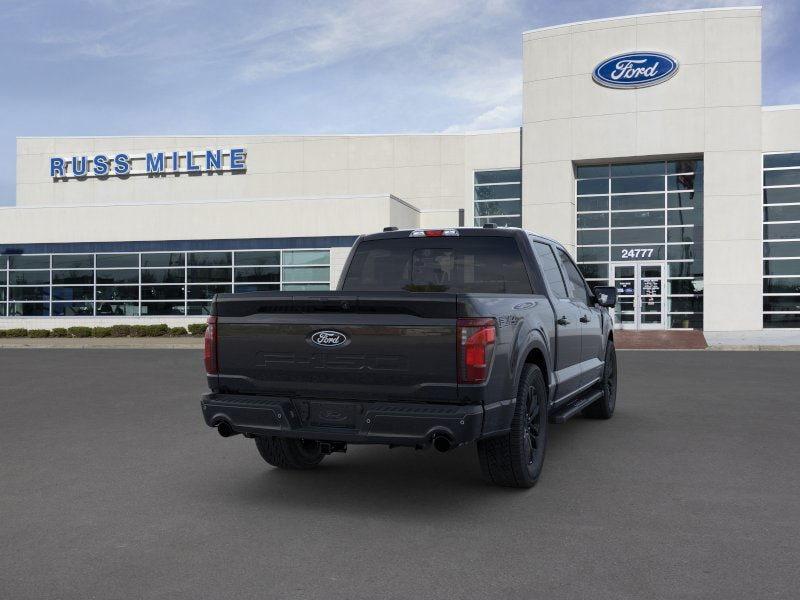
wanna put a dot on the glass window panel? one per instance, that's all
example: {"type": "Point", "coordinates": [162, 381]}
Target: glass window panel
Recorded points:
{"type": "Point", "coordinates": [306, 257]}
{"type": "Point", "coordinates": [637, 202]}
{"type": "Point", "coordinates": [73, 261]}
{"type": "Point", "coordinates": [198, 308]}
{"type": "Point", "coordinates": [244, 274]}
{"type": "Point", "coordinates": [492, 192]}
{"type": "Point", "coordinates": [3, 309]}
{"type": "Point", "coordinates": [29, 293]}
{"type": "Point", "coordinates": [782, 285]}
{"type": "Point", "coordinates": [73, 309]}
{"type": "Point", "coordinates": [28, 309]}
{"type": "Point", "coordinates": [162, 309]}
{"type": "Point", "coordinates": [117, 276]}
{"type": "Point", "coordinates": [594, 271]}
{"type": "Point", "coordinates": [2, 294]}
{"type": "Point", "coordinates": [592, 186]}
{"type": "Point", "coordinates": [29, 277]}
{"type": "Point", "coordinates": [638, 252]}
{"type": "Point", "coordinates": [637, 184]}
{"type": "Point", "coordinates": [782, 303]}
{"type": "Point", "coordinates": [782, 213]}
{"type": "Point", "coordinates": [500, 221]}
{"type": "Point", "coordinates": [27, 261]}
{"type": "Point", "coordinates": [117, 309]}
{"type": "Point", "coordinates": [502, 176]}
{"type": "Point", "coordinates": [305, 287]}
{"type": "Point", "coordinates": [162, 292]}
{"type": "Point", "coordinates": [684, 217]}
{"type": "Point", "coordinates": [637, 219]}
{"type": "Point", "coordinates": [685, 199]}
{"type": "Point", "coordinates": [593, 220]}
{"type": "Point", "coordinates": [209, 259]}
{"type": "Point", "coordinates": [593, 254]}
{"type": "Point", "coordinates": [789, 159]}
{"type": "Point", "coordinates": [782, 267]}
{"type": "Point", "coordinates": [637, 236]}
{"type": "Point", "coordinates": [593, 236]}
{"type": "Point", "coordinates": [550, 269]}
{"type": "Point", "coordinates": [163, 259]}
{"type": "Point", "coordinates": [85, 277]}
{"type": "Point", "coordinates": [577, 286]}
{"type": "Point", "coordinates": [77, 292]}
{"type": "Point", "coordinates": [684, 166]}
{"type": "Point", "coordinates": [209, 275]}
{"type": "Point", "coordinates": [782, 249]}
{"type": "Point", "coordinates": [782, 195]}
{"type": "Point", "coordinates": [776, 321]}
{"type": "Point", "coordinates": [788, 177]}
{"type": "Point", "coordinates": [683, 182]}
{"type": "Point", "coordinates": [685, 286]}
{"type": "Point", "coordinates": [680, 234]}
{"type": "Point", "coordinates": [3, 262]}
{"type": "Point", "coordinates": [507, 207]}
{"type": "Point", "coordinates": [269, 257]}
{"type": "Point", "coordinates": [117, 261]}
{"type": "Point", "coordinates": [2, 277]}
{"type": "Point", "coordinates": [686, 321]}
{"type": "Point", "coordinates": [118, 292]}
{"type": "Point", "coordinates": [681, 269]}
{"type": "Point", "coordinates": [782, 231]}
{"type": "Point", "coordinates": [648, 168]}
{"type": "Point", "coordinates": [306, 274]}
{"type": "Point", "coordinates": [163, 275]}
{"type": "Point", "coordinates": [587, 171]}
{"type": "Point", "coordinates": [678, 252]}
{"type": "Point", "coordinates": [241, 288]}
{"type": "Point", "coordinates": [206, 292]}
{"type": "Point", "coordinates": [693, 304]}
{"type": "Point", "coordinates": [593, 203]}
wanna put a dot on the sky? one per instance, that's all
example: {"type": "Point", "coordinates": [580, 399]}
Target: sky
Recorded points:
{"type": "Point", "coordinates": [171, 67]}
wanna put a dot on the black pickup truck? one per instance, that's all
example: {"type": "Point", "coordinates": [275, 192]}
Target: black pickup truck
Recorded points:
{"type": "Point", "coordinates": [433, 338]}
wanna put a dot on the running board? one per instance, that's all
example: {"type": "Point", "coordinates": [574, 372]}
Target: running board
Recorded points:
{"type": "Point", "coordinates": [573, 408]}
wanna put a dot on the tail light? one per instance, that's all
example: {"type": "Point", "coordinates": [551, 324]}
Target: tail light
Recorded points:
{"type": "Point", "coordinates": [475, 349]}
{"type": "Point", "coordinates": [210, 351]}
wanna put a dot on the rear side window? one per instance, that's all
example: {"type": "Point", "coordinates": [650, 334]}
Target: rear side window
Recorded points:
{"type": "Point", "coordinates": [455, 265]}
{"type": "Point", "coordinates": [550, 270]}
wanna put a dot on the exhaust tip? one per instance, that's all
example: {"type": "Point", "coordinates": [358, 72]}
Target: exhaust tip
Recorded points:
{"type": "Point", "coordinates": [225, 430]}
{"type": "Point", "coordinates": [442, 443]}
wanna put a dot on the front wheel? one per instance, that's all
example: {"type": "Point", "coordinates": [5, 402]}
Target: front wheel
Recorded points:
{"type": "Point", "coordinates": [286, 453]}
{"type": "Point", "coordinates": [516, 459]}
{"type": "Point", "coordinates": [603, 407]}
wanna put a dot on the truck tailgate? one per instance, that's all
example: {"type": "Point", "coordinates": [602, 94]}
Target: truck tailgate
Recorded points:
{"type": "Point", "coordinates": [339, 345]}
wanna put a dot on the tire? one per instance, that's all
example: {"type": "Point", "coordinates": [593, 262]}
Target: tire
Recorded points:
{"type": "Point", "coordinates": [603, 407]}
{"type": "Point", "coordinates": [516, 458]}
{"type": "Point", "coordinates": [287, 453]}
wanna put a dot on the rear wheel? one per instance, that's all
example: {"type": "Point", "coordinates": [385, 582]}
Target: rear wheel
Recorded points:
{"type": "Point", "coordinates": [516, 458]}
{"type": "Point", "coordinates": [287, 453]}
{"type": "Point", "coordinates": [603, 407]}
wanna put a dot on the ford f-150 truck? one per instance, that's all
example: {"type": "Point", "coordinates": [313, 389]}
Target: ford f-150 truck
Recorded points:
{"type": "Point", "coordinates": [436, 338]}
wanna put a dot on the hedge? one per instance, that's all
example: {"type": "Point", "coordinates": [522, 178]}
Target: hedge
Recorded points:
{"type": "Point", "coordinates": [38, 333]}
{"type": "Point", "coordinates": [162, 329]}
{"type": "Point", "coordinates": [197, 328]}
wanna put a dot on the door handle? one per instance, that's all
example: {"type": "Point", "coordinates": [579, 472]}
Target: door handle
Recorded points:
{"type": "Point", "coordinates": [584, 319]}
{"type": "Point", "coordinates": [563, 321]}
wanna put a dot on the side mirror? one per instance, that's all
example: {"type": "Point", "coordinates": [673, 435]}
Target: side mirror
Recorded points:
{"type": "Point", "coordinates": [605, 295]}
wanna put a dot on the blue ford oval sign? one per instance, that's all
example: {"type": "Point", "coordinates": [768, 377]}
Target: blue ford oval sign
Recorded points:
{"type": "Point", "coordinates": [635, 70]}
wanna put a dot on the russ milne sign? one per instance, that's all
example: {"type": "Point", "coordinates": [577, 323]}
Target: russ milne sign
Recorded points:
{"type": "Point", "coordinates": [635, 70]}
{"type": "Point", "coordinates": [151, 163]}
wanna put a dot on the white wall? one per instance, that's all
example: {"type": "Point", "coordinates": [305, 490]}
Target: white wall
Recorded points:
{"type": "Point", "coordinates": [712, 106]}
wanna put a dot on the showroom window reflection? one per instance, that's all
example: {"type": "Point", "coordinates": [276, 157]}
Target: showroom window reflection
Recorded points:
{"type": "Point", "coordinates": [150, 283]}
{"type": "Point", "coordinates": [498, 197]}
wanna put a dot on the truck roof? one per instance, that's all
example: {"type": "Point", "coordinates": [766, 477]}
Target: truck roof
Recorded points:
{"type": "Point", "coordinates": [463, 231]}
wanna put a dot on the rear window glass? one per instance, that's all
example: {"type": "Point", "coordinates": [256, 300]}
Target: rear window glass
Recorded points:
{"type": "Point", "coordinates": [455, 265]}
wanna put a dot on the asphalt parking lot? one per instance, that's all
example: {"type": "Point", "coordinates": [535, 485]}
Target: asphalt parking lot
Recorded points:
{"type": "Point", "coordinates": [111, 486]}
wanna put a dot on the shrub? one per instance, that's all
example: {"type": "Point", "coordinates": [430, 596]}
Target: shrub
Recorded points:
{"type": "Point", "coordinates": [157, 330]}
{"type": "Point", "coordinates": [38, 333]}
{"type": "Point", "coordinates": [120, 330]}
{"type": "Point", "coordinates": [197, 328]}
{"type": "Point", "coordinates": [2, 333]}
{"type": "Point", "coordinates": [101, 332]}
{"type": "Point", "coordinates": [59, 332]}
{"type": "Point", "coordinates": [80, 332]}
{"type": "Point", "coordinates": [177, 331]}
{"type": "Point", "coordinates": [138, 330]}
{"type": "Point", "coordinates": [16, 332]}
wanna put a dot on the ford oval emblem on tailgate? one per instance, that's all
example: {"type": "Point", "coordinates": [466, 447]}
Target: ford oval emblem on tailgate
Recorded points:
{"type": "Point", "coordinates": [328, 338]}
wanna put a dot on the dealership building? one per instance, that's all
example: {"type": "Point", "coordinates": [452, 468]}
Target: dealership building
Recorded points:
{"type": "Point", "coordinates": [644, 149]}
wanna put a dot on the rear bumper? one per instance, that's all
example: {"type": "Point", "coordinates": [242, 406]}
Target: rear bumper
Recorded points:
{"type": "Point", "coordinates": [401, 423]}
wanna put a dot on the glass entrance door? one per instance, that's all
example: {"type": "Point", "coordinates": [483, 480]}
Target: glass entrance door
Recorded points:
{"type": "Point", "coordinates": [640, 295]}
